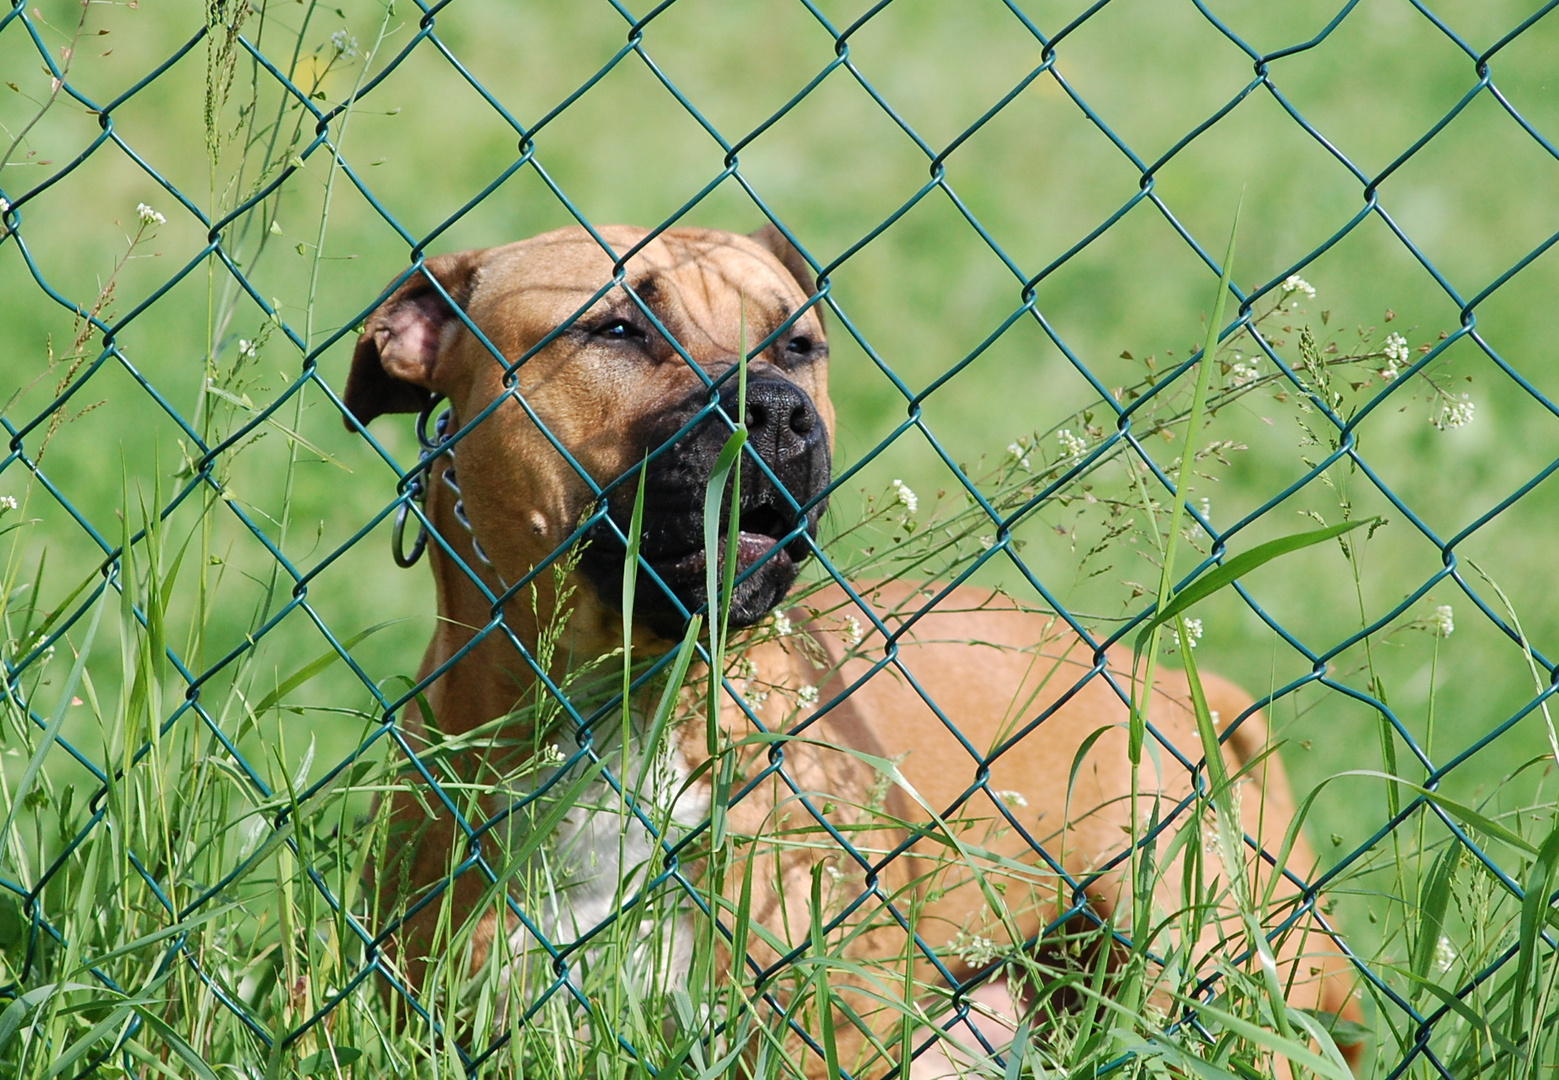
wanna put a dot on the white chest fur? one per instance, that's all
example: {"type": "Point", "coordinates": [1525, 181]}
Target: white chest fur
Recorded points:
{"type": "Point", "coordinates": [585, 854]}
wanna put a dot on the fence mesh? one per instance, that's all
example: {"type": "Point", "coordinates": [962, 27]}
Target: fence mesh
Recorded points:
{"type": "Point", "coordinates": [101, 521]}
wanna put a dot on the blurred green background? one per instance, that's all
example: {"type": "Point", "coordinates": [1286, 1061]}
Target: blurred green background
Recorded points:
{"type": "Point", "coordinates": [1041, 177]}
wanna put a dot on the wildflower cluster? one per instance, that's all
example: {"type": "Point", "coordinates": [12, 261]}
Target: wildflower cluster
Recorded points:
{"type": "Point", "coordinates": [1442, 623]}
{"type": "Point", "coordinates": [1193, 633]}
{"type": "Point", "coordinates": [148, 217]}
{"type": "Point", "coordinates": [1397, 354]}
{"type": "Point", "coordinates": [1386, 360]}
{"type": "Point", "coordinates": [753, 693]}
{"type": "Point", "coordinates": [853, 628]}
{"type": "Point", "coordinates": [1296, 284]}
{"type": "Point", "coordinates": [1243, 371]}
{"type": "Point", "coordinates": [1455, 413]}
{"type": "Point", "coordinates": [1073, 446]}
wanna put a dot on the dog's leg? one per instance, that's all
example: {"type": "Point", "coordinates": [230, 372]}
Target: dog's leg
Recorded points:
{"type": "Point", "coordinates": [992, 1014]}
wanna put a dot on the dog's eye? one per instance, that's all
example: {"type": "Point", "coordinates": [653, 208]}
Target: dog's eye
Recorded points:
{"type": "Point", "coordinates": [618, 330]}
{"type": "Point", "coordinates": [799, 345]}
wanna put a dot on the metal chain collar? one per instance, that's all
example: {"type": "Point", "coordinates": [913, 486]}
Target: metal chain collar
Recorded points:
{"type": "Point", "coordinates": [417, 491]}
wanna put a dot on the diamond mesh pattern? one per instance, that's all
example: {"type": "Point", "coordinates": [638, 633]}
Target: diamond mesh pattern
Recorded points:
{"type": "Point", "coordinates": [1129, 220]}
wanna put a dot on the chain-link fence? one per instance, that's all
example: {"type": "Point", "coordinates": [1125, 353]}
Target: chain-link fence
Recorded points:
{"type": "Point", "coordinates": [1013, 214]}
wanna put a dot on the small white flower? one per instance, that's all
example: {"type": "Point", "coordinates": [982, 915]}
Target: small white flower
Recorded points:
{"type": "Point", "coordinates": [7, 502]}
{"type": "Point", "coordinates": [343, 43]}
{"type": "Point", "coordinates": [1193, 631]}
{"type": "Point", "coordinates": [1396, 349]}
{"type": "Point", "coordinates": [1073, 446]}
{"type": "Point", "coordinates": [782, 625]}
{"type": "Point", "coordinates": [852, 626]}
{"type": "Point", "coordinates": [149, 216]}
{"type": "Point", "coordinates": [1455, 414]}
{"type": "Point", "coordinates": [1294, 283]}
{"type": "Point", "coordinates": [833, 871]}
{"type": "Point", "coordinates": [1444, 954]}
{"type": "Point", "coordinates": [1396, 353]}
{"type": "Point", "coordinates": [1012, 798]}
{"type": "Point", "coordinates": [1243, 372]}
{"type": "Point", "coordinates": [746, 668]}
{"type": "Point", "coordinates": [807, 696]}
{"type": "Point", "coordinates": [910, 500]}
{"type": "Point", "coordinates": [1443, 622]}
{"type": "Point", "coordinates": [552, 754]}
{"type": "Point", "coordinates": [1018, 454]}
{"type": "Point", "coordinates": [248, 350]}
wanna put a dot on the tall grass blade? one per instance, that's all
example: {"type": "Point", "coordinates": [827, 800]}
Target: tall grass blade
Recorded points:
{"type": "Point", "coordinates": [16, 1012]}
{"type": "Point", "coordinates": [1333, 1068]}
{"type": "Point", "coordinates": [316, 667]}
{"type": "Point", "coordinates": [676, 678]}
{"type": "Point", "coordinates": [1231, 832]}
{"type": "Point", "coordinates": [52, 731]}
{"type": "Point", "coordinates": [719, 599]}
{"type": "Point", "coordinates": [1166, 580]}
{"type": "Point", "coordinates": [1433, 900]}
{"type": "Point", "coordinates": [1227, 573]}
{"type": "Point", "coordinates": [1535, 911]}
{"type": "Point", "coordinates": [823, 996]}
{"type": "Point", "coordinates": [630, 585]}
{"type": "Point", "coordinates": [1018, 1051]}
{"type": "Point", "coordinates": [182, 1049]}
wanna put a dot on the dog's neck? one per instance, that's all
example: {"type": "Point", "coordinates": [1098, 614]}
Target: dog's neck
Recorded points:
{"type": "Point", "coordinates": [539, 629]}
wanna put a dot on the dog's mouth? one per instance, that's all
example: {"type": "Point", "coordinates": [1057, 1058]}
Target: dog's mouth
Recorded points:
{"type": "Point", "coordinates": [774, 534]}
{"type": "Point", "coordinates": [760, 530]}
{"type": "Point", "coordinates": [771, 544]}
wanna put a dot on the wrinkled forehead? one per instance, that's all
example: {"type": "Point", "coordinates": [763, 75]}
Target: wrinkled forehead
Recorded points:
{"type": "Point", "coordinates": [700, 282]}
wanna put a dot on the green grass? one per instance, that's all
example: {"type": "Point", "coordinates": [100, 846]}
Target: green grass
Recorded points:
{"type": "Point", "coordinates": [924, 294]}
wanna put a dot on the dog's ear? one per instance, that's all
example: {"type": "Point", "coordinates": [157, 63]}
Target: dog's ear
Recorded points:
{"type": "Point", "coordinates": [395, 365]}
{"type": "Point", "coordinates": [782, 249]}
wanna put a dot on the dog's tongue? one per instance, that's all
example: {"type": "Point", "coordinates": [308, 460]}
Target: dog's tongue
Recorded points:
{"type": "Point", "coordinates": [750, 547]}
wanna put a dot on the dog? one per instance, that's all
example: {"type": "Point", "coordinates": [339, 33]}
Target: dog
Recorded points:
{"type": "Point", "coordinates": [594, 381]}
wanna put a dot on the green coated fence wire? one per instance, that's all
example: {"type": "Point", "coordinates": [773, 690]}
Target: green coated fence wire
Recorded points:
{"type": "Point", "coordinates": [259, 948]}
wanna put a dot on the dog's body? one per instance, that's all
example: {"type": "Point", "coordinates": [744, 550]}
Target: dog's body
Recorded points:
{"type": "Point", "coordinates": [610, 389]}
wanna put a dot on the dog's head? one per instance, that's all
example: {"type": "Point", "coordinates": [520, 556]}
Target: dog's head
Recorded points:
{"type": "Point", "coordinates": [607, 387]}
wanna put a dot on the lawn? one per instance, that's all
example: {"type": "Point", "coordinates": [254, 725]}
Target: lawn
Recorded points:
{"type": "Point", "coordinates": [1118, 295]}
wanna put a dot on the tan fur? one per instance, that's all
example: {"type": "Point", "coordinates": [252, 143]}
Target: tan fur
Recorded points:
{"type": "Point", "coordinates": [989, 666]}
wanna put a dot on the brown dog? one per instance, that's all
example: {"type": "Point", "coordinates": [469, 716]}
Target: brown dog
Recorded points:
{"type": "Point", "coordinates": [609, 388]}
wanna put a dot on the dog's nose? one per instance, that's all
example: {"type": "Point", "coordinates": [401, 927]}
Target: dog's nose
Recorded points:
{"type": "Point", "coordinates": [782, 422]}
{"type": "Point", "coordinates": [780, 403]}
